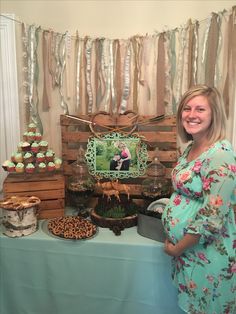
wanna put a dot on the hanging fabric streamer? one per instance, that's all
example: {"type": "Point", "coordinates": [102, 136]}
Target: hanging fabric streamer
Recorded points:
{"type": "Point", "coordinates": [88, 53]}
{"type": "Point", "coordinates": [117, 74]}
{"type": "Point", "coordinates": [33, 74]}
{"type": "Point", "coordinates": [136, 51]}
{"type": "Point", "coordinates": [47, 87]}
{"type": "Point", "coordinates": [168, 88]}
{"type": "Point", "coordinates": [211, 50]}
{"type": "Point", "coordinates": [173, 66]}
{"type": "Point", "coordinates": [126, 85]}
{"type": "Point", "coordinates": [160, 75]}
{"type": "Point", "coordinates": [180, 66]}
{"type": "Point", "coordinates": [112, 69]}
{"type": "Point", "coordinates": [68, 64]}
{"type": "Point", "coordinates": [105, 67]}
{"type": "Point", "coordinates": [99, 72]}
{"type": "Point", "coordinates": [25, 68]}
{"type": "Point", "coordinates": [78, 65]}
{"type": "Point", "coordinates": [229, 86]}
{"type": "Point", "coordinates": [195, 52]}
{"type": "Point", "coordinates": [61, 61]}
{"type": "Point", "coordinates": [191, 53]}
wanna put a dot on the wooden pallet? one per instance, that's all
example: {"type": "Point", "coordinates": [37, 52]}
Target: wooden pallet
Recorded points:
{"type": "Point", "coordinates": [49, 188]}
{"type": "Point", "coordinates": [161, 134]}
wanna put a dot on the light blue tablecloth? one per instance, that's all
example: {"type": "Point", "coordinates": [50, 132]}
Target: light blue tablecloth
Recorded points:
{"type": "Point", "coordinates": [109, 274]}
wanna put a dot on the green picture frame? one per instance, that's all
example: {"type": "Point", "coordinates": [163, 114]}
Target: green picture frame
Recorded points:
{"type": "Point", "coordinates": [116, 156]}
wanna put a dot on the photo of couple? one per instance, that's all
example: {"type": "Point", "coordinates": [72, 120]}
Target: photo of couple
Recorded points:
{"type": "Point", "coordinates": [116, 156]}
{"type": "Point", "coordinates": [121, 160]}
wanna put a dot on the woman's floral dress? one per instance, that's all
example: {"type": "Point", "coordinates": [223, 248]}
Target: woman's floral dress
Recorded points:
{"type": "Point", "coordinates": [202, 203]}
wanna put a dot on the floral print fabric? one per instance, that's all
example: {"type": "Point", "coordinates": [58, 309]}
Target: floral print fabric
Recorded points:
{"type": "Point", "coordinates": [202, 203]}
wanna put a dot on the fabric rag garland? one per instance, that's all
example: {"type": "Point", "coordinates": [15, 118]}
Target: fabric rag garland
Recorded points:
{"type": "Point", "coordinates": [138, 73]}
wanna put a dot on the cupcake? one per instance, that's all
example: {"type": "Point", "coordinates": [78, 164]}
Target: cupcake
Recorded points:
{"type": "Point", "coordinates": [25, 136]}
{"type": "Point", "coordinates": [40, 157]}
{"type": "Point", "coordinates": [43, 145]}
{"type": "Point", "coordinates": [57, 162]}
{"type": "Point", "coordinates": [32, 127]}
{"type": "Point", "coordinates": [42, 167]}
{"type": "Point", "coordinates": [31, 136]}
{"type": "Point", "coordinates": [30, 168]}
{"type": "Point", "coordinates": [11, 167]}
{"type": "Point", "coordinates": [5, 164]}
{"type": "Point", "coordinates": [51, 166]}
{"type": "Point", "coordinates": [13, 157]}
{"type": "Point", "coordinates": [35, 147]}
{"type": "Point", "coordinates": [18, 157]}
{"type": "Point", "coordinates": [28, 157]}
{"type": "Point", "coordinates": [20, 146]}
{"type": "Point", "coordinates": [20, 167]}
{"type": "Point", "coordinates": [38, 137]}
{"type": "Point", "coordinates": [49, 155]}
{"type": "Point", "coordinates": [25, 146]}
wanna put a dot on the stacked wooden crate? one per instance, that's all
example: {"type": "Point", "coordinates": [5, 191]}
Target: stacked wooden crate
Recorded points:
{"type": "Point", "coordinates": [49, 188]}
{"type": "Point", "coordinates": [159, 134]}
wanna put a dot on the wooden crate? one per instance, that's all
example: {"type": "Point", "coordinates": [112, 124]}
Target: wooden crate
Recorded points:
{"type": "Point", "coordinates": [161, 134]}
{"type": "Point", "coordinates": [49, 188]}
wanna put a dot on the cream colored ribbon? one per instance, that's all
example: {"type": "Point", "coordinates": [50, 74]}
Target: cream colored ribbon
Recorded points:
{"type": "Point", "coordinates": [126, 88]}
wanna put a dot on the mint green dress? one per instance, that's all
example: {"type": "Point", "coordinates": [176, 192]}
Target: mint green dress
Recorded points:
{"type": "Point", "coordinates": [202, 203]}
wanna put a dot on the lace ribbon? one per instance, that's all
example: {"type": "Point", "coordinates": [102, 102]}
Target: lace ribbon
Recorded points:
{"type": "Point", "coordinates": [88, 52]}
{"type": "Point", "coordinates": [160, 75]}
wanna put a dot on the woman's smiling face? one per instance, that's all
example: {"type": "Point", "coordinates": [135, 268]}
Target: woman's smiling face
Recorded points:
{"type": "Point", "coordinates": [196, 117]}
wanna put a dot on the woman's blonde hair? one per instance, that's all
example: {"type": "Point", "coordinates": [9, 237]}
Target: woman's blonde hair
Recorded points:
{"type": "Point", "coordinates": [217, 128]}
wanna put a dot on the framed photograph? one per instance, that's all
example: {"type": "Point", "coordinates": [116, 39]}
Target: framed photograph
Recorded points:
{"type": "Point", "coordinates": [115, 155]}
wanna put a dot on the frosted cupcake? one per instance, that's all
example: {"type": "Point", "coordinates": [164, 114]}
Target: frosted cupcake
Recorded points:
{"type": "Point", "coordinates": [30, 168]}
{"type": "Point", "coordinates": [57, 162]}
{"type": "Point", "coordinates": [20, 167]}
{"type": "Point", "coordinates": [51, 166]}
{"type": "Point", "coordinates": [18, 157]}
{"type": "Point", "coordinates": [49, 155]}
{"type": "Point", "coordinates": [25, 146]}
{"type": "Point", "coordinates": [19, 146]}
{"type": "Point", "coordinates": [42, 167]}
{"type": "Point", "coordinates": [43, 145]}
{"type": "Point", "coordinates": [5, 165]}
{"type": "Point", "coordinates": [35, 147]}
{"type": "Point", "coordinates": [28, 157]}
{"type": "Point", "coordinates": [11, 167]}
{"type": "Point", "coordinates": [38, 136]}
{"type": "Point", "coordinates": [40, 157]}
{"type": "Point", "coordinates": [13, 157]}
{"type": "Point", "coordinates": [31, 136]}
{"type": "Point", "coordinates": [25, 136]}
{"type": "Point", "coordinates": [32, 127]}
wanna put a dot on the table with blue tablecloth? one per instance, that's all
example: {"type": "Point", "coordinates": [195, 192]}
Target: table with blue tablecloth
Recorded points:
{"type": "Point", "coordinates": [108, 274]}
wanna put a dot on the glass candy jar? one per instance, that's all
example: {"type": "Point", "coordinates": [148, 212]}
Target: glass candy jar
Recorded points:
{"type": "Point", "coordinates": [81, 184]}
{"type": "Point", "coordinates": [156, 185]}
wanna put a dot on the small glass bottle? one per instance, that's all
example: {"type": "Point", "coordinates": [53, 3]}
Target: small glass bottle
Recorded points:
{"type": "Point", "coordinates": [81, 184]}
{"type": "Point", "coordinates": [156, 185]}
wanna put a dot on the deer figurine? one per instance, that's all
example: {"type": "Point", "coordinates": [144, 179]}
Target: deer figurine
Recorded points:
{"type": "Point", "coordinates": [109, 193]}
{"type": "Point", "coordinates": [121, 188]}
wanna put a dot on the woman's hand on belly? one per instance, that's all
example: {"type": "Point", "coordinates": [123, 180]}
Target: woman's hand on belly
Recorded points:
{"type": "Point", "coordinates": [177, 249]}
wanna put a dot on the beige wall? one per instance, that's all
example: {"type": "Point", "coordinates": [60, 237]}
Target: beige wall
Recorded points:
{"type": "Point", "coordinates": [111, 18]}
